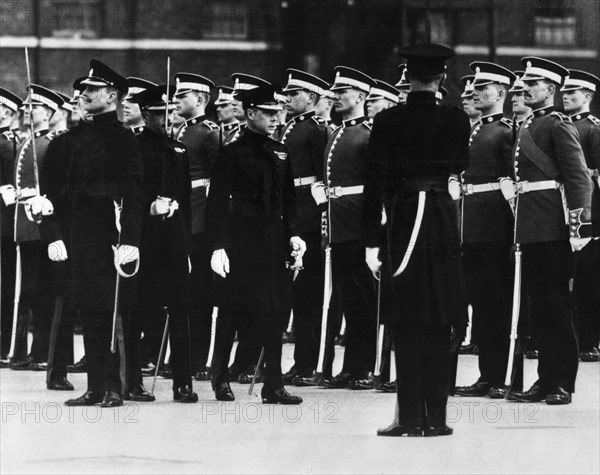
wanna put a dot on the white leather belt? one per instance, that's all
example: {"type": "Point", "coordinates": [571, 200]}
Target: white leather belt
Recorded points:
{"type": "Point", "coordinates": [339, 191]}
{"type": "Point", "coordinates": [200, 182]}
{"type": "Point", "coordinates": [527, 186]}
{"type": "Point", "coordinates": [594, 172]}
{"type": "Point", "coordinates": [470, 189]}
{"type": "Point", "coordinates": [24, 193]}
{"type": "Point", "coordinates": [305, 180]}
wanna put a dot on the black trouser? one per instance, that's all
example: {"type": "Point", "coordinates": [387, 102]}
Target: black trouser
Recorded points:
{"type": "Point", "coordinates": [201, 302]}
{"type": "Point", "coordinates": [358, 294]}
{"type": "Point", "coordinates": [423, 372]}
{"type": "Point", "coordinates": [307, 293]}
{"type": "Point", "coordinates": [248, 349]}
{"type": "Point", "coordinates": [547, 268]}
{"type": "Point", "coordinates": [8, 271]}
{"type": "Point", "coordinates": [63, 345]}
{"type": "Point", "coordinates": [587, 292]}
{"type": "Point", "coordinates": [488, 282]}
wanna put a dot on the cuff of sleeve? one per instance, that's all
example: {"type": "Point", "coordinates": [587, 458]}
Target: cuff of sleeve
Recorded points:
{"type": "Point", "coordinates": [579, 227]}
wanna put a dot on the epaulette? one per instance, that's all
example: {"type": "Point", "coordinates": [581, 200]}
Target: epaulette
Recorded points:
{"type": "Point", "coordinates": [594, 119]}
{"type": "Point", "coordinates": [210, 124]}
{"type": "Point", "coordinates": [561, 116]}
{"type": "Point", "coordinates": [368, 125]}
{"type": "Point", "coordinates": [507, 121]}
{"type": "Point", "coordinates": [318, 119]}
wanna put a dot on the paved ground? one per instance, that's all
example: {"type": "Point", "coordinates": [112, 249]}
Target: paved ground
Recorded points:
{"type": "Point", "coordinates": [332, 432]}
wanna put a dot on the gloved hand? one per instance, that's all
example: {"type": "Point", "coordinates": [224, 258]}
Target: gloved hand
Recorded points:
{"type": "Point", "coordinates": [125, 254]}
{"type": "Point", "coordinates": [219, 262]}
{"type": "Point", "coordinates": [454, 188]}
{"type": "Point", "coordinates": [163, 206]}
{"type": "Point", "coordinates": [57, 252]}
{"type": "Point", "coordinates": [372, 259]}
{"type": "Point", "coordinates": [189, 265]}
{"type": "Point", "coordinates": [9, 194]}
{"type": "Point", "coordinates": [577, 244]}
{"type": "Point", "coordinates": [37, 207]}
{"type": "Point", "coordinates": [457, 336]}
{"type": "Point", "coordinates": [298, 247]}
{"type": "Point", "coordinates": [317, 190]}
{"type": "Point", "coordinates": [507, 187]}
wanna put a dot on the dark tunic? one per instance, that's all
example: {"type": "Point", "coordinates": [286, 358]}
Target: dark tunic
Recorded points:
{"type": "Point", "coordinates": [415, 147]}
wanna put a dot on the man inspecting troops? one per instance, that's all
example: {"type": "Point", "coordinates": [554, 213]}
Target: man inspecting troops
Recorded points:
{"type": "Point", "coordinates": [201, 139]}
{"type": "Point", "coordinates": [416, 151]}
{"type": "Point", "coordinates": [552, 187]}
{"type": "Point", "coordinates": [305, 136]}
{"type": "Point", "coordinates": [487, 228]}
{"type": "Point", "coordinates": [104, 201]}
{"type": "Point", "coordinates": [578, 91]}
{"type": "Point", "coordinates": [251, 221]}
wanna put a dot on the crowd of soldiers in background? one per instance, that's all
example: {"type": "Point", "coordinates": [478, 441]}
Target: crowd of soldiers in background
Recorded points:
{"type": "Point", "coordinates": [322, 152]}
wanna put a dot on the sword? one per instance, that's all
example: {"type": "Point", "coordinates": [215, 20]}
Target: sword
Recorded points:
{"type": "Point", "coordinates": [328, 288]}
{"type": "Point", "coordinates": [379, 336]}
{"type": "Point", "coordinates": [213, 337]}
{"type": "Point", "coordinates": [255, 375]}
{"type": "Point", "coordinates": [36, 176]}
{"type": "Point", "coordinates": [162, 348]}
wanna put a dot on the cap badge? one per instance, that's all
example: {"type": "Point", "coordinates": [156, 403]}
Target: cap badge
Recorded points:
{"type": "Point", "coordinates": [337, 74]}
{"type": "Point", "coordinates": [528, 66]}
{"type": "Point", "coordinates": [477, 70]}
{"type": "Point", "coordinates": [164, 98]}
{"type": "Point", "coordinates": [290, 77]}
{"type": "Point", "coordinates": [91, 73]}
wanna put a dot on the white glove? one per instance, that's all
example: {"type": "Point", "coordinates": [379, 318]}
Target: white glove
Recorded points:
{"type": "Point", "coordinates": [372, 259]}
{"type": "Point", "coordinates": [219, 262]}
{"type": "Point", "coordinates": [37, 207]}
{"type": "Point", "coordinates": [298, 247]}
{"type": "Point", "coordinates": [454, 188]}
{"type": "Point", "coordinates": [189, 265]}
{"type": "Point", "coordinates": [126, 254]}
{"type": "Point", "coordinates": [577, 244]}
{"type": "Point", "coordinates": [507, 187]}
{"type": "Point", "coordinates": [317, 190]}
{"type": "Point", "coordinates": [9, 194]}
{"type": "Point", "coordinates": [57, 252]}
{"type": "Point", "coordinates": [163, 207]}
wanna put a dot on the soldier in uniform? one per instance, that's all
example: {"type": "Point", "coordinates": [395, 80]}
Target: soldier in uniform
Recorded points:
{"type": "Point", "coordinates": [251, 217]}
{"type": "Point", "coordinates": [201, 138]}
{"type": "Point", "coordinates": [60, 119]}
{"type": "Point", "coordinates": [305, 136]}
{"type": "Point", "coordinates": [132, 116]}
{"type": "Point", "coordinates": [9, 107]}
{"type": "Point", "coordinates": [487, 229]}
{"type": "Point", "coordinates": [578, 91]}
{"type": "Point", "coordinates": [467, 100]}
{"type": "Point", "coordinates": [550, 169]}
{"type": "Point", "coordinates": [164, 244]}
{"type": "Point", "coordinates": [228, 124]}
{"type": "Point", "coordinates": [413, 150]}
{"type": "Point", "coordinates": [37, 291]}
{"type": "Point", "coordinates": [324, 105]}
{"type": "Point", "coordinates": [345, 173]}
{"type": "Point", "coordinates": [382, 96]}
{"type": "Point", "coordinates": [105, 171]}
{"type": "Point", "coordinates": [403, 85]}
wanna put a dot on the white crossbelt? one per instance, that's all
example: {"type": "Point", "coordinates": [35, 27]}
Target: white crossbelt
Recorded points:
{"type": "Point", "coordinates": [527, 186]}
{"type": "Point", "coordinates": [305, 180]}
{"type": "Point", "coordinates": [339, 191]}
{"type": "Point", "coordinates": [200, 182]}
{"type": "Point", "coordinates": [470, 189]}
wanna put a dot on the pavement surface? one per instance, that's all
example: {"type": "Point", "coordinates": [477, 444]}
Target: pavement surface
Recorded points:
{"type": "Point", "coordinates": [333, 431]}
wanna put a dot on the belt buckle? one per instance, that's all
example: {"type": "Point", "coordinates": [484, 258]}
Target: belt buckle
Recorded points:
{"type": "Point", "coordinates": [335, 192]}
{"type": "Point", "coordinates": [469, 190]}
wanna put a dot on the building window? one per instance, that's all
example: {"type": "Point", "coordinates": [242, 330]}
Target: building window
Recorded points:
{"type": "Point", "coordinates": [224, 19]}
{"type": "Point", "coordinates": [555, 31]}
{"type": "Point", "coordinates": [72, 19]}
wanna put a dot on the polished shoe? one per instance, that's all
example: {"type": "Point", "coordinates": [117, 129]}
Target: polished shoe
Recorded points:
{"type": "Point", "coordinates": [337, 382]}
{"type": "Point", "coordinates": [470, 349]}
{"type": "Point", "coordinates": [149, 369]}
{"type": "Point", "coordinates": [387, 387]}
{"type": "Point", "coordinates": [479, 389]}
{"type": "Point", "coordinates": [397, 430]}
{"type": "Point", "coordinates": [203, 374]}
{"type": "Point", "coordinates": [139, 394]}
{"type": "Point", "coordinates": [60, 384]}
{"type": "Point", "coordinates": [79, 367]}
{"type": "Point", "coordinates": [279, 396]}
{"type": "Point", "coordinates": [366, 382]}
{"type": "Point", "coordinates": [534, 394]}
{"type": "Point", "coordinates": [111, 399]}
{"type": "Point", "coordinates": [89, 398]}
{"type": "Point", "coordinates": [4, 361]}
{"type": "Point", "coordinates": [223, 392]}
{"type": "Point", "coordinates": [35, 366]}
{"type": "Point", "coordinates": [532, 354]}
{"type": "Point", "coordinates": [437, 431]}
{"type": "Point", "coordinates": [288, 337]}
{"type": "Point", "coordinates": [166, 372]}
{"type": "Point", "coordinates": [558, 396]}
{"type": "Point", "coordinates": [497, 392]}
{"type": "Point", "coordinates": [591, 356]}
{"type": "Point", "coordinates": [234, 373]}
{"type": "Point", "coordinates": [340, 340]}
{"type": "Point", "coordinates": [246, 377]}
{"type": "Point", "coordinates": [20, 365]}
{"type": "Point", "coordinates": [305, 379]}
{"type": "Point", "coordinates": [185, 394]}
{"type": "Point", "coordinates": [290, 375]}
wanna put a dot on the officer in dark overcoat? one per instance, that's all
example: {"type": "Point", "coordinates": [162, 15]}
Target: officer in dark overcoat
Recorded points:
{"type": "Point", "coordinates": [413, 150]}
{"type": "Point", "coordinates": [251, 218]}
{"type": "Point", "coordinates": [105, 173]}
